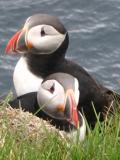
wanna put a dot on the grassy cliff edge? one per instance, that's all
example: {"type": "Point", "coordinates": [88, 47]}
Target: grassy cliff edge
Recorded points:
{"type": "Point", "coordinates": [25, 136]}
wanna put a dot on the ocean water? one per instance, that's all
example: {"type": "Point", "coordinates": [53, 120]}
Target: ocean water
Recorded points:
{"type": "Point", "coordinates": [94, 30]}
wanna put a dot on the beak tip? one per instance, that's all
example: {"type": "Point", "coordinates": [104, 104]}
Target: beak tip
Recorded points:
{"type": "Point", "coordinates": [8, 49]}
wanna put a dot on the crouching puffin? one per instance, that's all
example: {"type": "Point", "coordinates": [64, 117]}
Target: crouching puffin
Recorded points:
{"type": "Point", "coordinates": [42, 44]}
{"type": "Point", "coordinates": [57, 101]}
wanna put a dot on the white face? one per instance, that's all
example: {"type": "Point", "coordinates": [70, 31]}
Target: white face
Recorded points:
{"type": "Point", "coordinates": [51, 95]}
{"type": "Point", "coordinates": [44, 38]}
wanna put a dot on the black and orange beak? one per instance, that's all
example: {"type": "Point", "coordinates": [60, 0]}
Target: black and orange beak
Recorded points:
{"type": "Point", "coordinates": [71, 109]}
{"type": "Point", "coordinates": [18, 44]}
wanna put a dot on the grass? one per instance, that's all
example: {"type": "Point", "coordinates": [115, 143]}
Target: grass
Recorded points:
{"type": "Point", "coordinates": [23, 138]}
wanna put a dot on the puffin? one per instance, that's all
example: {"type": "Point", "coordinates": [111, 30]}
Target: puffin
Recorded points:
{"type": "Point", "coordinates": [42, 43]}
{"type": "Point", "coordinates": [57, 101]}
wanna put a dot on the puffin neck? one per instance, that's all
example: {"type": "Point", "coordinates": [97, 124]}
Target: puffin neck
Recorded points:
{"type": "Point", "coordinates": [43, 64]}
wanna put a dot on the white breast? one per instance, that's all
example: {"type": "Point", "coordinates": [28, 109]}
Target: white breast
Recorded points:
{"type": "Point", "coordinates": [24, 80]}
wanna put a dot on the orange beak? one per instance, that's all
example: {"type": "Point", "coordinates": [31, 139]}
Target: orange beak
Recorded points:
{"type": "Point", "coordinates": [71, 109]}
{"type": "Point", "coordinates": [11, 46]}
{"type": "Point", "coordinates": [18, 44]}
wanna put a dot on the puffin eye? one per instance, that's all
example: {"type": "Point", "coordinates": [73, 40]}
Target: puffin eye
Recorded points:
{"type": "Point", "coordinates": [52, 88]}
{"type": "Point", "coordinates": [42, 32]}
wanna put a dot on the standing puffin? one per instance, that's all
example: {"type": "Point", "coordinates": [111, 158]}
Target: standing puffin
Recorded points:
{"type": "Point", "coordinates": [56, 101]}
{"type": "Point", "coordinates": [42, 43]}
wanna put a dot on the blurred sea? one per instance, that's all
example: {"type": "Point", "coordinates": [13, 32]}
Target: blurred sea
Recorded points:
{"type": "Point", "coordinates": [94, 30]}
